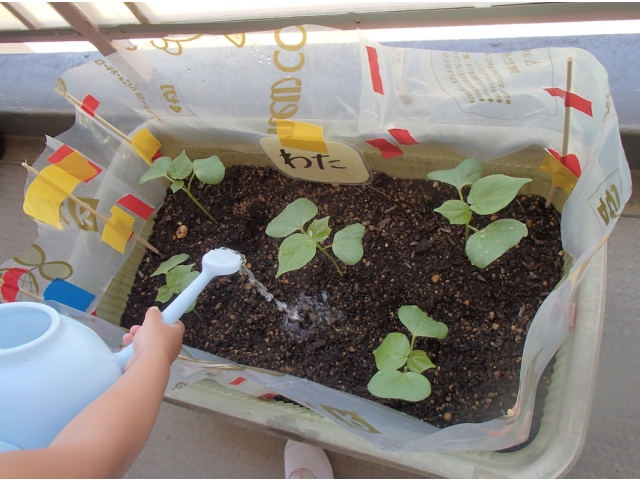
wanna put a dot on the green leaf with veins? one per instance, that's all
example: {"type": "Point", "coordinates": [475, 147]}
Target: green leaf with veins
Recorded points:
{"type": "Point", "coordinates": [392, 352]}
{"type": "Point", "coordinates": [209, 170]}
{"type": "Point", "coordinates": [418, 361]}
{"type": "Point", "coordinates": [409, 386]}
{"type": "Point", "coordinates": [489, 244]}
{"type": "Point", "coordinates": [164, 267]}
{"type": "Point", "coordinates": [177, 185]}
{"type": "Point", "coordinates": [420, 324]}
{"type": "Point", "coordinates": [158, 169]}
{"type": "Point", "coordinates": [347, 244]}
{"type": "Point", "coordinates": [465, 173]}
{"type": "Point", "coordinates": [164, 294]}
{"type": "Point", "coordinates": [176, 275]}
{"type": "Point", "coordinates": [457, 211]}
{"type": "Point", "coordinates": [295, 252]}
{"type": "Point", "coordinates": [181, 167]}
{"type": "Point", "coordinates": [319, 229]}
{"type": "Point", "coordinates": [493, 193]}
{"type": "Point", "coordinates": [292, 218]}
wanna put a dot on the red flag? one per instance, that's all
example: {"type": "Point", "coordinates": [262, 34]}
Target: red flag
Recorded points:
{"type": "Point", "coordinates": [136, 205]}
{"type": "Point", "coordinates": [387, 149]}
{"type": "Point", "coordinates": [89, 105]}
{"type": "Point", "coordinates": [570, 161]}
{"type": "Point", "coordinates": [374, 70]}
{"type": "Point", "coordinates": [402, 136]}
{"type": "Point", "coordinates": [571, 100]}
{"type": "Point", "coordinates": [9, 287]}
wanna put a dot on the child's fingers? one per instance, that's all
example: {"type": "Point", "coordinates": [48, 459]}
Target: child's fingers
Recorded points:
{"type": "Point", "coordinates": [127, 338]}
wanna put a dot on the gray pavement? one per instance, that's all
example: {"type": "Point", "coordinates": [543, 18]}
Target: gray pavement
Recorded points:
{"type": "Point", "coordinates": [192, 444]}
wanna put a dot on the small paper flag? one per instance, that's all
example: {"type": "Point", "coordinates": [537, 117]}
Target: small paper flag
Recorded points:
{"type": "Point", "coordinates": [561, 176]}
{"type": "Point", "coordinates": [9, 287]}
{"type": "Point", "coordinates": [117, 231]}
{"type": "Point", "coordinates": [137, 206]}
{"type": "Point", "coordinates": [387, 149]}
{"type": "Point", "coordinates": [74, 164]}
{"type": "Point", "coordinates": [402, 136]}
{"type": "Point", "coordinates": [89, 105]}
{"type": "Point", "coordinates": [303, 136]}
{"type": "Point", "coordinates": [571, 100]}
{"type": "Point", "coordinates": [570, 161]}
{"type": "Point", "coordinates": [145, 145]}
{"type": "Point", "coordinates": [68, 294]}
{"type": "Point", "coordinates": [374, 70]}
{"type": "Point", "coordinates": [46, 193]}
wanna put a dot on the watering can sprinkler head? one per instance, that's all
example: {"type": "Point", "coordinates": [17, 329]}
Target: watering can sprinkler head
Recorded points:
{"type": "Point", "coordinates": [221, 261]}
{"type": "Point", "coordinates": [215, 263]}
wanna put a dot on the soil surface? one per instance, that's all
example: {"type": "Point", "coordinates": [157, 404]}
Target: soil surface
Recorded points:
{"type": "Point", "coordinates": [412, 256]}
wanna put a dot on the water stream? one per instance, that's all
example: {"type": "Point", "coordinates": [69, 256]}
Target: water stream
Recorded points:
{"type": "Point", "coordinates": [305, 317]}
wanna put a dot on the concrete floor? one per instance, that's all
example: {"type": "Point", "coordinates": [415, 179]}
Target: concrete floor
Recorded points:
{"type": "Point", "coordinates": [190, 444]}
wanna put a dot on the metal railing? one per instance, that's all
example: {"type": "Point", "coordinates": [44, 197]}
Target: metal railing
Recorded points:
{"type": "Point", "coordinates": [392, 15]}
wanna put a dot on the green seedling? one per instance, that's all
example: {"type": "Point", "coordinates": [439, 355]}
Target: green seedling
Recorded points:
{"type": "Point", "coordinates": [486, 196]}
{"type": "Point", "coordinates": [178, 277]}
{"type": "Point", "coordinates": [396, 352]}
{"type": "Point", "coordinates": [298, 249]}
{"type": "Point", "coordinates": [208, 170]}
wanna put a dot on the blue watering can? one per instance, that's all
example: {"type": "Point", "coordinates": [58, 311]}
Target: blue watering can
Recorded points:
{"type": "Point", "coordinates": [52, 366]}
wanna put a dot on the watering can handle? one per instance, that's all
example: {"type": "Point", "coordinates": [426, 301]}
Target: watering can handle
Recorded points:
{"type": "Point", "coordinates": [217, 262]}
{"type": "Point", "coordinates": [171, 314]}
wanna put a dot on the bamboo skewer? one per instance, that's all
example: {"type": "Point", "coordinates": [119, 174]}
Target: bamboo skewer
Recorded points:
{"type": "Point", "coordinates": [95, 212]}
{"type": "Point", "coordinates": [26, 292]}
{"type": "Point", "coordinates": [100, 119]}
{"type": "Point", "coordinates": [565, 132]}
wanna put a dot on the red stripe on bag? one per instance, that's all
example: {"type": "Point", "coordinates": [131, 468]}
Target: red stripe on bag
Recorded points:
{"type": "Point", "coordinates": [136, 205]}
{"type": "Point", "coordinates": [374, 70]}
{"type": "Point", "coordinates": [402, 136]}
{"type": "Point", "coordinates": [387, 149]}
{"type": "Point", "coordinates": [571, 100]}
{"type": "Point", "coordinates": [89, 105]}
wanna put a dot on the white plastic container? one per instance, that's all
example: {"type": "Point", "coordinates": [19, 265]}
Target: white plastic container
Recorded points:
{"type": "Point", "coordinates": [552, 453]}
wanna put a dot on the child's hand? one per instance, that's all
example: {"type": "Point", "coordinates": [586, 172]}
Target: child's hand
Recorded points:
{"type": "Point", "coordinates": [154, 337]}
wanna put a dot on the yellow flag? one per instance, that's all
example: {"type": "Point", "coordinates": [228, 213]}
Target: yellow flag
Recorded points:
{"type": "Point", "coordinates": [78, 166]}
{"type": "Point", "coordinates": [303, 136]}
{"type": "Point", "coordinates": [47, 192]}
{"type": "Point", "coordinates": [145, 145]}
{"type": "Point", "coordinates": [561, 176]}
{"type": "Point", "coordinates": [117, 231]}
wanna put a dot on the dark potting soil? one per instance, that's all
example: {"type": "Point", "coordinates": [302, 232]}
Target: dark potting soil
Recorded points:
{"type": "Point", "coordinates": [412, 256]}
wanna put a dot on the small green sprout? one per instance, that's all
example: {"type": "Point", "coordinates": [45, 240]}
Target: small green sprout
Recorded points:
{"type": "Point", "coordinates": [298, 249]}
{"type": "Point", "coordinates": [487, 196]}
{"type": "Point", "coordinates": [396, 352]}
{"type": "Point", "coordinates": [178, 276]}
{"type": "Point", "coordinates": [208, 170]}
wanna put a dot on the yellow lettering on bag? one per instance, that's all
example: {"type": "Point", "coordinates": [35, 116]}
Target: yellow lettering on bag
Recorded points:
{"type": "Point", "coordinates": [284, 68]}
{"type": "Point", "coordinates": [291, 48]}
{"type": "Point", "coordinates": [283, 94]}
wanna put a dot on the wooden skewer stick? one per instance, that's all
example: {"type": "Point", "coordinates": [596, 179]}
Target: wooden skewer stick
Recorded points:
{"type": "Point", "coordinates": [100, 119]}
{"type": "Point", "coordinates": [96, 213]}
{"type": "Point", "coordinates": [565, 132]}
{"type": "Point", "coordinates": [27, 293]}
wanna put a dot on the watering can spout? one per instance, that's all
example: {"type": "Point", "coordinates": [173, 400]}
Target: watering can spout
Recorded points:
{"type": "Point", "coordinates": [221, 261]}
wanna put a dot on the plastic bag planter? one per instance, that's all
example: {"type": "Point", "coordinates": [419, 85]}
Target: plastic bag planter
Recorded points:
{"type": "Point", "coordinates": [314, 97]}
